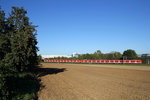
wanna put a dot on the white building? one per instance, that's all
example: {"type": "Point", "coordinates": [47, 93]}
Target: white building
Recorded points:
{"type": "Point", "coordinates": [53, 56]}
{"type": "Point", "coordinates": [75, 54]}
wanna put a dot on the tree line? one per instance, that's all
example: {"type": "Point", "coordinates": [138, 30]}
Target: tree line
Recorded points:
{"type": "Point", "coordinates": [127, 54]}
{"type": "Point", "coordinates": [18, 50]}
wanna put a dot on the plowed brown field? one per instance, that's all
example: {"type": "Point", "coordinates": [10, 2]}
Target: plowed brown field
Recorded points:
{"type": "Point", "coordinates": [94, 82]}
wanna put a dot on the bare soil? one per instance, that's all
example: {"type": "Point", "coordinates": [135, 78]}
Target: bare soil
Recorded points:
{"type": "Point", "coordinates": [94, 82]}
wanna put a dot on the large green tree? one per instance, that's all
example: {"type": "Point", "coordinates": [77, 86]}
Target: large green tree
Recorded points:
{"type": "Point", "coordinates": [23, 54]}
{"type": "Point", "coordinates": [130, 54]}
{"type": "Point", "coordinates": [18, 50]}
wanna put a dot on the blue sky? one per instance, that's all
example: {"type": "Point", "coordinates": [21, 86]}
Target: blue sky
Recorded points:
{"type": "Point", "coordinates": [84, 26]}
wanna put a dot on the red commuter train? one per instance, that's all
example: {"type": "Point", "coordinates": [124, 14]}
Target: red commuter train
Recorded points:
{"type": "Point", "coordinates": [95, 61]}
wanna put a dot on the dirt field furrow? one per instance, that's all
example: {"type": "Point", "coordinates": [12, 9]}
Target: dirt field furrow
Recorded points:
{"type": "Point", "coordinates": [94, 82]}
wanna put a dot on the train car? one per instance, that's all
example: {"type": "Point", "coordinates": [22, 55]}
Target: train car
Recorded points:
{"type": "Point", "coordinates": [139, 61]}
{"type": "Point", "coordinates": [95, 61]}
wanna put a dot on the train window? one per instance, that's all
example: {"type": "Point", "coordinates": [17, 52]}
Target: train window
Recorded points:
{"type": "Point", "coordinates": [129, 61]}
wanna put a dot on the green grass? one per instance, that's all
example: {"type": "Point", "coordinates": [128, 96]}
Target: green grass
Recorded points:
{"type": "Point", "coordinates": [104, 64]}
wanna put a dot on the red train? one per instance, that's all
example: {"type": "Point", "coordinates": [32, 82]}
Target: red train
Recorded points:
{"type": "Point", "coordinates": [96, 61]}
